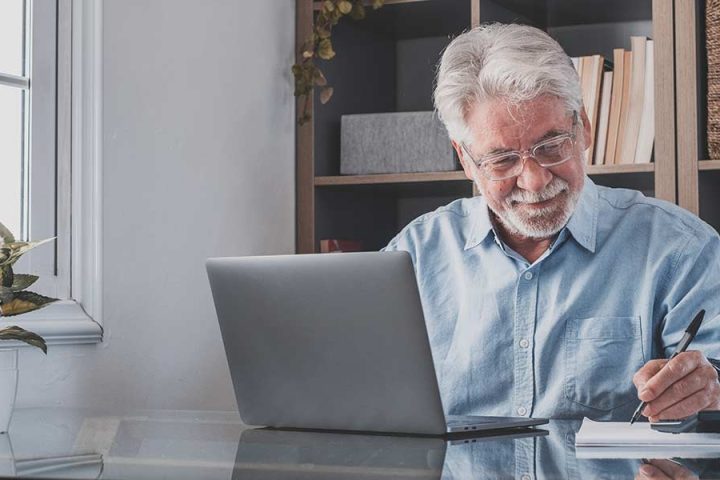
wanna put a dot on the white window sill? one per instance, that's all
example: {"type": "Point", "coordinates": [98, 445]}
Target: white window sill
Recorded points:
{"type": "Point", "coordinates": [60, 323]}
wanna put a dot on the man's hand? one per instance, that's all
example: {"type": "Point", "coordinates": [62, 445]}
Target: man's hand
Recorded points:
{"type": "Point", "coordinates": [687, 385]}
{"type": "Point", "coordinates": [664, 469]}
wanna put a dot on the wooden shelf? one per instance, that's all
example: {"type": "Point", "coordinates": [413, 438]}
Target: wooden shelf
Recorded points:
{"type": "Point", "coordinates": [459, 175]}
{"type": "Point", "coordinates": [401, 44]}
{"type": "Point", "coordinates": [709, 165]}
{"type": "Point", "coordinates": [317, 5]}
{"type": "Point", "coordinates": [615, 169]}
{"type": "Point", "coordinates": [390, 178]}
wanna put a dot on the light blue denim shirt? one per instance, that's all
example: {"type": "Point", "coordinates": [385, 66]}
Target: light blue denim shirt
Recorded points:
{"type": "Point", "coordinates": [562, 337]}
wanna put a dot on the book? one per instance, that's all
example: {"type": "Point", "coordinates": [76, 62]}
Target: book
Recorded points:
{"type": "Point", "coordinates": [636, 100]}
{"type": "Point", "coordinates": [585, 84]}
{"type": "Point", "coordinates": [603, 118]}
{"type": "Point", "coordinates": [576, 64]}
{"type": "Point", "coordinates": [646, 135]}
{"type": "Point", "coordinates": [624, 107]}
{"type": "Point", "coordinates": [615, 105]}
{"type": "Point", "coordinates": [594, 65]}
{"type": "Point", "coordinates": [337, 246]}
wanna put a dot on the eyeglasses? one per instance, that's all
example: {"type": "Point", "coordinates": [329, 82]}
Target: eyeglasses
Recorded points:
{"type": "Point", "coordinates": [548, 153]}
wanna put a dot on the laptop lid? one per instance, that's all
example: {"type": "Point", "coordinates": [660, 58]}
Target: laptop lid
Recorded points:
{"type": "Point", "coordinates": [327, 341]}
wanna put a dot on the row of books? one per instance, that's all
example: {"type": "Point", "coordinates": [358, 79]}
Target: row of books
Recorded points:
{"type": "Point", "coordinates": [620, 104]}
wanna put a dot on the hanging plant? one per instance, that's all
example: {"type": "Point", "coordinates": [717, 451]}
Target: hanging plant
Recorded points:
{"type": "Point", "coordinates": [307, 74]}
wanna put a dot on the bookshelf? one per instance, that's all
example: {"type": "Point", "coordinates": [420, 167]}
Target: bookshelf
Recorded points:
{"type": "Point", "coordinates": [698, 174]}
{"type": "Point", "coordinates": [385, 63]}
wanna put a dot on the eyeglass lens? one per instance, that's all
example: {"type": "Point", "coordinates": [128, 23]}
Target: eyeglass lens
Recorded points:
{"type": "Point", "coordinates": [546, 154]}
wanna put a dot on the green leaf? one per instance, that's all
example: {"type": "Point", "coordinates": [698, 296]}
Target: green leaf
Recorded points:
{"type": "Point", "coordinates": [23, 302]}
{"type": "Point", "coordinates": [11, 252]}
{"type": "Point", "coordinates": [7, 277]}
{"type": "Point", "coordinates": [17, 333]}
{"type": "Point", "coordinates": [23, 281]}
{"type": "Point", "coordinates": [358, 11]}
{"type": "Point", "coordinates": [322, 31]}
{"type": "Point", "coordinates": [344, 6]}
{"type": "Point", "coordinates": [5, 234]}
{"type": "Point", "coordinates": [325, 50]}
{"type": "Point", "coordinates": [6, 295]}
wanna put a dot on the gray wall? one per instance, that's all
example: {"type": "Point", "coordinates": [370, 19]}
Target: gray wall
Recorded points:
{"type": "Point", "coordinates": [198, 162]}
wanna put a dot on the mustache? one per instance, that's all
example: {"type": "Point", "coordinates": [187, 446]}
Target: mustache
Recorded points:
{"type": "Point", "coordinates": [556, 186]}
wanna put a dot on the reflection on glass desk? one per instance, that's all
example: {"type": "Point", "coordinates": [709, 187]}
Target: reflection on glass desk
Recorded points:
{"type": "Point", "coordinates": [82, 444]}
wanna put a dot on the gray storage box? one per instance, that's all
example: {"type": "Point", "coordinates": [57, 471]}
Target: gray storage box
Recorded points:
{"type": "Point", "coordinates": [394, 143]}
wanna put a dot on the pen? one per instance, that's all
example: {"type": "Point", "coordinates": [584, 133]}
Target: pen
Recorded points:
{"type": "Point", "coordinates": [681, 347]}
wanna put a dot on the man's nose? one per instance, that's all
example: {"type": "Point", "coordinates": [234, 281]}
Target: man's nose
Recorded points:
{"type": "Point", "coordinates": [533, 178]}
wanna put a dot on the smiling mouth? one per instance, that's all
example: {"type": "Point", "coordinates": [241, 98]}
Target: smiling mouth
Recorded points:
{"type": "Point", "coordinates": [541, 203]}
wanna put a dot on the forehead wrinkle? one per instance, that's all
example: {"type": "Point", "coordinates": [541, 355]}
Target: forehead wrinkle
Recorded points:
{"type": "Point", "coordinates": [505, 124]}
{"type": "Point", "coordinates": [513, 141]}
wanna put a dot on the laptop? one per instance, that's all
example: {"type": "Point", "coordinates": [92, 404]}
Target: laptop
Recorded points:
{"type": "Point", "coordinates": [301, 454]}
{"type": "Point", "coordinates": [333, 342]}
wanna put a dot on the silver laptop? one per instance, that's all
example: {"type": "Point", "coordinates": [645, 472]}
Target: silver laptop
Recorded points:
{"type": "Point", "coordinates": [333, 342]}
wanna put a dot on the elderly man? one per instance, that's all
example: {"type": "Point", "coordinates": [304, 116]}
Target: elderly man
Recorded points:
{"type": "Point", "coordinates": [548, 295]}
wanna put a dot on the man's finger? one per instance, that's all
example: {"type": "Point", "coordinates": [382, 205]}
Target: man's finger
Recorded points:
{"type": "Point", "coordinates": [647, 372]}
{"type": "Point", "coordinates": [677, 368]}
{"type": "Point", "coordinates": [683, 388]}
{"type": "Point", "coordinates": [673, 470]}
{"type": "Point", "coordinates": [647, 472]}
{"type": "Point", "coordinates": [687, 406]}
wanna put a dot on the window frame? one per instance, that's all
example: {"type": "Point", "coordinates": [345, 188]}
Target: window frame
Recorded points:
{"type": "Point", "coordinates": [78, 207]}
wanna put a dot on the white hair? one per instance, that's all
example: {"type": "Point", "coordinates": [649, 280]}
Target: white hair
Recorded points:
{"type": "Point", "coordinates": [514, 63]}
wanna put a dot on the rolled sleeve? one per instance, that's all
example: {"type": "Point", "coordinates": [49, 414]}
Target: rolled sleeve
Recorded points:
{"type": "Point", "coordinates": [695, 285]}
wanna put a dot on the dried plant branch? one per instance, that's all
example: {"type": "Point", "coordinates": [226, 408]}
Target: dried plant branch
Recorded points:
{"type": "Point", "coordinates": [307, 74]}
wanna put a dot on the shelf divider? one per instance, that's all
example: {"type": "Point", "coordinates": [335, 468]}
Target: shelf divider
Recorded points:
{"type": "Point", "coordinates": [458, 175]}
{"type": "Point", "coordinates": [709, 165]}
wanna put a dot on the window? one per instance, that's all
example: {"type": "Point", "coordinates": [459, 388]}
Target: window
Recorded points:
{"type": "Point", "coordinates": [48, 170]}
{"type": "Point", "coordinates": [29, 152]}
{"type": "Point", "coordinates": [13, 86]}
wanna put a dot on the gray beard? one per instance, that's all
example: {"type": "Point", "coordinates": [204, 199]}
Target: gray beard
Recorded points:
{"type": "Point", "coordinates": [543, 223]}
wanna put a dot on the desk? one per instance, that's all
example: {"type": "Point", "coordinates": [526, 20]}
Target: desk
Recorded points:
{"type": "Point", "coordinates": [82, 444]}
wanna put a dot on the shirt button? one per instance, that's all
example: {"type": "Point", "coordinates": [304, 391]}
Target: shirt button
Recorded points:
{"type": "Point", "coordinates": [526, 477]}
{"type": "Point", "coordinates": [524, 343]}
{"type": "Point", "coordinates": [528, 275]}
{"type": "Point", "coordinates": [521, 411]}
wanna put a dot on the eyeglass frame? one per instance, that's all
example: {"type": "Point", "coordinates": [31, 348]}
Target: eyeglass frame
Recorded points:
{"type": "Point", "coordinates": [523, 154]}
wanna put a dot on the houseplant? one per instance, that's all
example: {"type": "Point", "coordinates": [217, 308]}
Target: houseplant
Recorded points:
{"type": "Point", "coordinates": [15, 299]}
{"type": "Point", "coordinates": [306, 73]}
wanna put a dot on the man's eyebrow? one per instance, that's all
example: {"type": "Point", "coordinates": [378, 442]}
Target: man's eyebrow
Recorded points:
{"type": "Point", "coordinates": [547, 135]}
{"type": "Point", "coordinates": [550, 134]}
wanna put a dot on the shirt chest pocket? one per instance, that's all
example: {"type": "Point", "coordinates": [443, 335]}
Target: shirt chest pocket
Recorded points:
{"type": "Point", "coordinates": [601, 356]}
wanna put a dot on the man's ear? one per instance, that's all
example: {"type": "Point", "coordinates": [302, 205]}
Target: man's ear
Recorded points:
{"type": "Point", "coordinates": [464, 161]}
{"type": "Point", "coordinates": [587, 136]}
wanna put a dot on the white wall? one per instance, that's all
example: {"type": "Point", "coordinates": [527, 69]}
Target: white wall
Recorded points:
{"type": "Point", "coordinates": [198, 161]}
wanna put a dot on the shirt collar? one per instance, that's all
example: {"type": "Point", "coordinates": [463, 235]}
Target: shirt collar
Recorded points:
{"type": "Point", "coordinates": [482, 225]}
{"type": "Point", "coordinates": [582, 224]}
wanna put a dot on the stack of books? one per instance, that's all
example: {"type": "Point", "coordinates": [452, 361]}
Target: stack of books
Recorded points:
{"type": "Point", "coordinates": [619, 101]}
